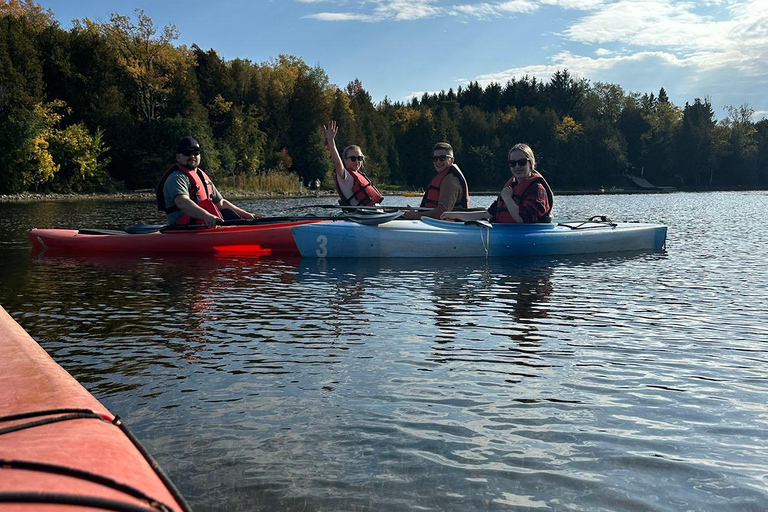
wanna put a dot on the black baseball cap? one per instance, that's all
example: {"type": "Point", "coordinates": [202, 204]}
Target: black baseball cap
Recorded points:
{"type": "Point", "coordinates": [187, 143]}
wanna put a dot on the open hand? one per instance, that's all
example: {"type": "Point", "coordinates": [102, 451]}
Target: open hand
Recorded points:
{"type": "Point", "coordinates": [331, 130]}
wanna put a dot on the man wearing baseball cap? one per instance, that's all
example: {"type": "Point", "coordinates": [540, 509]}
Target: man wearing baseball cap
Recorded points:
{"type": "Point", "coordinates": [188, 196]}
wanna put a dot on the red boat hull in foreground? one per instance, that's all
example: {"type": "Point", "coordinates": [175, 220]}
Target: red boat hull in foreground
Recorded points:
{"type": "Point", "coordinates": [265, 239]}
{"type": "Point", "coordinates": [60, 448]}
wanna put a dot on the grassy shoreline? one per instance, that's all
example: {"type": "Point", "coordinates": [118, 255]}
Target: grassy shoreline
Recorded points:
{"type": "Point", "coordinates": [145, 195]}
{"type": "Point", "coordinates": [37, 197]}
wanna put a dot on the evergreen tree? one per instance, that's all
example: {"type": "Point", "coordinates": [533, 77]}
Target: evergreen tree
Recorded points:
{"type": "Point", "coordinates": [695, 146]}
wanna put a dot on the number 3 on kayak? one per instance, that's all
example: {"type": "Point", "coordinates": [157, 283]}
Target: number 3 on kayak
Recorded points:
{"type": "Point", "coordinates": [322, 249]}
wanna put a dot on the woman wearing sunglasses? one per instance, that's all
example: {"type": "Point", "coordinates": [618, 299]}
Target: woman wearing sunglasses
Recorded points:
{"type": "Point", "coordinates": [447, 190]}
{"type": "Point", "coordinates": [353, 186]}
{"type": "Point", "coordinates": [526, 197]}
{"type": "Point", "coordinates": [188, 196]}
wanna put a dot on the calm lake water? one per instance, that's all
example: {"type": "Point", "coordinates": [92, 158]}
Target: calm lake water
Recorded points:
{"type": "Point", "coordinates": [625, 382]}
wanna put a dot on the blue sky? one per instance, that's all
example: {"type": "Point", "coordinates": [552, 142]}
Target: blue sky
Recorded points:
{"type": "Point", "coordinates": [400, 48]}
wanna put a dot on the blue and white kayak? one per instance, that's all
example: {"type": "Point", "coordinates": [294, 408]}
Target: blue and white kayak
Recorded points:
{"type": "Point", "coordinates": [431, 238]}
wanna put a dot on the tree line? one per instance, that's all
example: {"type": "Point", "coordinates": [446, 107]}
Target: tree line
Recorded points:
{"type": "Point", "coordinates": [102, 105]}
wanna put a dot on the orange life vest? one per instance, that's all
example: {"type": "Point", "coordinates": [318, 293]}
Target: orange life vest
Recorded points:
{"type": "Point", "coordinates": [200, 191]}
{"type": "Point", "coordinates": [432, 194]}
{"type": "Point", "coordinates": [519, 191]}
{"type": "Point", "coordinates": [362, 190]}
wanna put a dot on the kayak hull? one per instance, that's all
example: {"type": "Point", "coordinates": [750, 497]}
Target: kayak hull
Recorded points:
{"type": "Point", "coordinates": [31, 474]}
{"type": "Point", "coordinates": [430, 238]}
{"type": "Point", "coordinates": [265, 239]}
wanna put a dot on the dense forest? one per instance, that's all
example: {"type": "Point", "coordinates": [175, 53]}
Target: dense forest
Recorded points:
{"type": "Point", "coordinates": [101, 106]}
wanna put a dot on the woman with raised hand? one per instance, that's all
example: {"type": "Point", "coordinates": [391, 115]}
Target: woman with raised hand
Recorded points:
{"type": "Point", "coordinates": [353, 186]}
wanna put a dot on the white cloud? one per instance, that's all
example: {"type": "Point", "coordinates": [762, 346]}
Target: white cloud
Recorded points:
{"type": "Point", "coordinates": [341, 16]}
{"type": "Point", "coordinates": [654, 23]}
{"type": "Point", "coordinates": [696, 47]}
{"type": "Point", "coordinates": [384, 10]}
{"type": "Point", "coordinates": [651, 64]}
{"type": "Point", "coordinates": [495, 9]}
{"type": "Point", "coordinates": [407, 10]}
{"type": "Point", "coordinates": [581, 5]}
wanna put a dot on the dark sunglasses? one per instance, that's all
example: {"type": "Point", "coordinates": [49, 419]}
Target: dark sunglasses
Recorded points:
{"type": "Point", "coordinates": [442, 158]}
{"type": "Point", "coordinates": [356, 158]}
{"type": "Point", "coordinates": [521, 162]}
{"type": "Point", "coordinates": [190, 152]}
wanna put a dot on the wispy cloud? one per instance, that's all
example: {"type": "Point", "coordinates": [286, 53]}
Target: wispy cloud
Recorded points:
{"type": "Point", "coordinates": [739, 41]}
{"type": "Point", "coordinates": [494, 9]}
{"type": "Point", "coordinates": [581, 66]}
{"type": "Point", "coordinates": [409, 10]}
{"type": "Point", "coordinates": [654, 23]}
{"type": "Point", "coordinates": [381, 10]}
{"type": "Point", "coordinates": [702, 45]}
{"type": "Point", "coordinates": [575, 4]}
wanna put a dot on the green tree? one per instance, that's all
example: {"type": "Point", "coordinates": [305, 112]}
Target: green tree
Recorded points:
{"type": "Point", "coordinates": [25, 160]}
{"type": "Point", "coordinates": [565, 93]}
{"type": "Point", "coordinates": [414, 137]}
{"type": "Point", "coordinates": [658, 160]}
{"type": "Point", "coordinates": [373, 132]}
{"type": "Point", "coordinates": [762, 153]}
{"type": "Point", "coordinates": [147, 59]}
{"type": "Point", "coordinates": [308, 110]}
{"type": "Point", "coordinates": [695, 145]}
{"type": "Point", "coordinates": [738, 161]}
{"type": "Point", "coordinates": [80, 160]}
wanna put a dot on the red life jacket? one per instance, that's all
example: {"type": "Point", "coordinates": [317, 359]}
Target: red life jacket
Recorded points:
{"type": "Point", "coordinates": [362, 190]}
{"type": "Point", "coordinates": [200, 191]}
{"type": "Point", "coordinates": [520, 190]}
{"type": "Point", "coordinates": [433, 189]}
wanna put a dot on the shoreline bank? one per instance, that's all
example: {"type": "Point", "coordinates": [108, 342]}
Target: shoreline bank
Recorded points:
{"type": "Point", "coordinates": [35, 197]}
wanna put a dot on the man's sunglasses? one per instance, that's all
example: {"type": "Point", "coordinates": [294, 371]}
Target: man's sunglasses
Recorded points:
{"type": "Point", "coordinates": [190, 152]}
{"type": "Point", "coordinates": [441, 158]}
{"type": "Point", "coordinates": [356, 158]}
{"type": "Point", "coordinates": [521, 162]}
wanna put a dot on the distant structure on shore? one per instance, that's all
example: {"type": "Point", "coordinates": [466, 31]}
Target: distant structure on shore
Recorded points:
{"type": "Point", "coordinates": [644, 184]}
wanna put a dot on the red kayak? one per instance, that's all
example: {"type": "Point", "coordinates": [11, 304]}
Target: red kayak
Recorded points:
{"type": "Point", "coordinates": [263, 236]}
{"type": "Point", "coordinates": [259, 237]}
{"type": "Point", "coordinates": [60, 448]}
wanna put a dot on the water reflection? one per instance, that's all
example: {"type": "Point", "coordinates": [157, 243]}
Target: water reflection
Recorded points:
{"type": "Point", "coordinates": [568, 383]}
{"type": "Point", "coordinates": [127, 306]}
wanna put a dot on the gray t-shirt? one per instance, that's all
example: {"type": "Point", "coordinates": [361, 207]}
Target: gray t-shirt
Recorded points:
{"type": "Point", "coordinates": [178, 183]}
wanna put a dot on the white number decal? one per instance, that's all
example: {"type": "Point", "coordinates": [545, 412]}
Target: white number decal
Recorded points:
{"type": "Point", "coordinates": [322, 250]}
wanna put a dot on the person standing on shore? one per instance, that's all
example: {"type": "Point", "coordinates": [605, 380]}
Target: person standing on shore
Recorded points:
{"type": "Point", "coordinates": [447, 190]}
{"type": "Point", "coordinates": [188, 196]}
{"type": "Point", "coordinates": [353, 186]}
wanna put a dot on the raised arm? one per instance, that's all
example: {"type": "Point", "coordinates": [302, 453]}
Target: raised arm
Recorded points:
{"type": "Point", "coordinates": [330, 136]}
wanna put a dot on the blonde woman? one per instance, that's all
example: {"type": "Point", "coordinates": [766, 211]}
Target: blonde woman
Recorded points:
{"type": "Point", "coordinates": [353, 186]}
{"type": "Point", "coordinates": [526, 197]}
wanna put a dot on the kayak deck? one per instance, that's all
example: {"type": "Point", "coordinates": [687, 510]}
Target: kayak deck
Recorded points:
{"type": "Point", "coordinates": [263, 239]}
{"type": "Point", "coordinates": [60, 448]}
{"type": "Point", "coordinates": [436, 238]}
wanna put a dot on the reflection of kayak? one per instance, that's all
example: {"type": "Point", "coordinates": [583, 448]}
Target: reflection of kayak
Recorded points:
{"type": "Point", "coordinates": [432, 238]}
{"type": "Point", "coordinates": [60, 449]}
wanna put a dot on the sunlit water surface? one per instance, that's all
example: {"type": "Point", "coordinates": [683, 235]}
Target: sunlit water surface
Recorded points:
{"type": "Point", "coordinates": [610, 382]}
